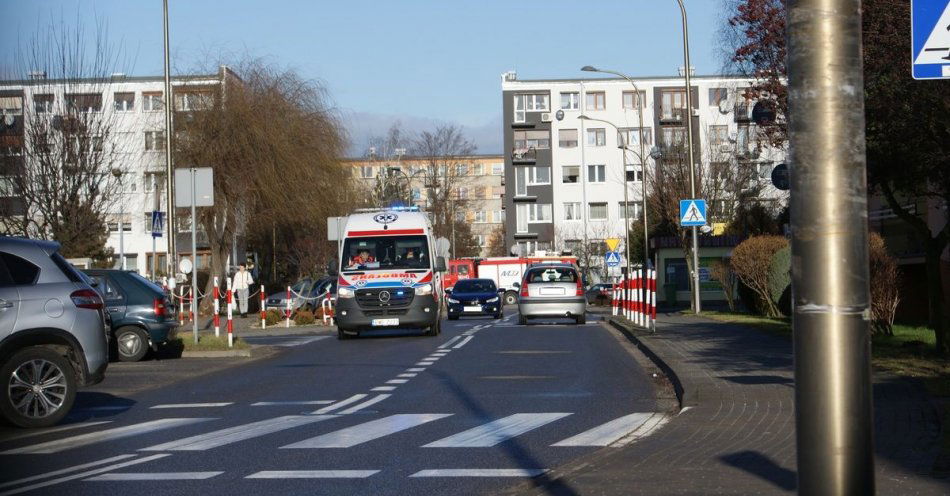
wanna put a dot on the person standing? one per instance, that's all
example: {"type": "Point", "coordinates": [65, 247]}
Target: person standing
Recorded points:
{"type": "Point", "coordinates": [241, 283]}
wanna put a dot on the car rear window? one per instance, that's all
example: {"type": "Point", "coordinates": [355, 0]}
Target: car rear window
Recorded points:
{"type": "Point", "coordinates": [22, 272]}
{"type": "Point", "coordinates": [68, 270]}
{"type": "Point", "coordinates": [474, 285]}
{"type": "Point", "coordinates": [151, 285]}
{"type": "Point", "coordinates": [552, 274]}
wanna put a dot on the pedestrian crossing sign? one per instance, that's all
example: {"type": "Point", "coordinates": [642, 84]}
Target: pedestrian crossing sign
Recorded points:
{"type": "Point", "coordinates": [930, 38]}
{"type": "Point", "coordinates": [612, 258]}
{"type": "Point", "coordinates": [692, 212]}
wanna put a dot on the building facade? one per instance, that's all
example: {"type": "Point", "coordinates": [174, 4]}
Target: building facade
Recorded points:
{"type": "Point", "coordinates": [565, 175]}
{"type": "Point", "coordinates": [478, 184]}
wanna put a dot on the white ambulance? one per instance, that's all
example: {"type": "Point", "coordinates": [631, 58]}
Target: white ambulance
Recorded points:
{"type": "Point", "coordinates": [390, 276]}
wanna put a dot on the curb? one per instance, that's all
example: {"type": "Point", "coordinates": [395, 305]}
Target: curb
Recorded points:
{"type": "Point", "coordinates": [684, 395]}
{"type": "Point", "coordinates": [216, 354]}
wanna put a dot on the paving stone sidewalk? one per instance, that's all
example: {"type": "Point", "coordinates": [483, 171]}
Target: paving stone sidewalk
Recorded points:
{"type": "Point", "coordinates": [736, 432]}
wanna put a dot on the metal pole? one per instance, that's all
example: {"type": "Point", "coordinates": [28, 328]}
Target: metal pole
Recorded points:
{"type": "Point", "coordinates": [829, 248]}
{"type": "Point", "coordinates": [697, 307]}
{"type": "Point", "coordinates": [155, 208]}
{"type": "Point", "coordinates": [584, 211]}
{"type": "Point", "coordinates": [169, 134]}
{"type": "Point", "coordinates": [121, 230]}
{"type": "Point", "coordinates": [194, 256]}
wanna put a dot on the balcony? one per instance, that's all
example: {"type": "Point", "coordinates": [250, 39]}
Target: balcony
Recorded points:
{"type": "Point", "coordinates": [672, 116]}
{"type": "Point", "coordinates": [744, 112]}
{"type": "Point", "coordinates": [523, 156]}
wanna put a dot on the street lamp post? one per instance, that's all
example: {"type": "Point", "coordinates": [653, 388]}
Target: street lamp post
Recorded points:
{"type": "Point", "coordinates": [169, 134]}
{"type": "Point", "coordinates": [117, 172]}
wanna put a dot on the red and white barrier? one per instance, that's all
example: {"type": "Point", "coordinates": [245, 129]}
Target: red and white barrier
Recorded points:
{"type": "Point", "coordinates": [230, 316]}
{"type": "Point", "coordinates": [181, 305]}
{"type": "Point", "coordinates": [263, 310]}
{"type": "Point", "coordinates": [191, 304]}
{"type": "Point", "coordinates": [327, 305]}
{"type": "Point", "coordinates": [289, 306]}
{"type": "Point", "coordinates": [215, 296]}
{"type": "Point", "coordinates": [634, 297]}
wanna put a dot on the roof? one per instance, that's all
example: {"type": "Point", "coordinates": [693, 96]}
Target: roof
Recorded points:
{"type": "Point", "coordinates": [620, 79]}
{"type": "Point", "coordinates": [47, 246]}
{"type": "Point", "coordinates": [387, 223]}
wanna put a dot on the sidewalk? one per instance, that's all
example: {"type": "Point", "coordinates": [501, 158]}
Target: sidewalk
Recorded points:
{"type": "Point", "coordinates": [736, 432]}
{"type": "Point", "coordinates": [243, 327]}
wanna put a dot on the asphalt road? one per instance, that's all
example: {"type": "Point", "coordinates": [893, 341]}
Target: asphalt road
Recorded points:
{"type": "Point", "coordinates": [475, 410]}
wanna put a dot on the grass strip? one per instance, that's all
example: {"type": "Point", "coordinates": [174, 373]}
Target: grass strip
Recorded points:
{"type": "Point", "coordinates": [210, 342]}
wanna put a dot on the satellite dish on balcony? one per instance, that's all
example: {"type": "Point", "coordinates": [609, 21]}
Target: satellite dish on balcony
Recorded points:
{"type": "Point", "coordinates": [516, 250]}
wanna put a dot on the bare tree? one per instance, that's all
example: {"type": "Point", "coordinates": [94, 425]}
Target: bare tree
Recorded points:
{"type": "Point", "coordinates": [391, 187]}
{"type": "Point", "coordinates": [496, 242]}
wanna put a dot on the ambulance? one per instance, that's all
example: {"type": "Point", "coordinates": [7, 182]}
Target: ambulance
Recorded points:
{"type": "Point", "coordinates": [389, 274]}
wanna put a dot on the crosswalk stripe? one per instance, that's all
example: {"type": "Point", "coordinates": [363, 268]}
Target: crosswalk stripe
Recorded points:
{"type": "Point", "coordinates": [383, 388]}
{"type": "Point", "coordinates": [497, 431]}
{"type": "Point", "coordinates": [147, 476]}
{"type": "Point", "coordinates": [368, 431]}
{"type": "Point", "coordinates": [369, 402]}
{"type": "Point", "coordinates": [106, 435]}
{"type": "Point", "coordinates": [407, 375]}
{"type": "Point", "coordinates": [417, 370]}
{"type": "Point", "coordinates": [480, 472]}
{"type": "Point", "coordinates": [189, 405]}
{"type": "Point", "coordinates": [397, 381]}
{"type": "Point", "coordinates": [65, 470]}
{"type": "Point", "coordinates": [83, 474]}
{"type": "Point", "coordinates": [340, 404]}
{"type": "Point", "coordinates": [463, 342]}
{"type": "Point", "coordinates": [608, 433]}
{"type": "Point", "coordinates": [449, 342]}
{"type": "Point", "coordinates": [292, 403]}
{"type": "Point", "coordinates": [312, 474]}
{"type": "Point", "coordinates": [424, 364]}
{"type": "Point", "coordinates": [238, 433]}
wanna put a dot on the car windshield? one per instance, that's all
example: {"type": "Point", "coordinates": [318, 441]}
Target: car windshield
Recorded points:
{"type": "Point", "coordinates": [474, 286]}
{"type": "Point", "coordinates": [552, 274]}
{"type": "Point", "coordinates": [385, 253]}
{"type": "Point", "coordinates": [150, 284]}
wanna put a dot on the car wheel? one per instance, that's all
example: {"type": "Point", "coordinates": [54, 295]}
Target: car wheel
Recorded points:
{"type": "Point", "coordinates": [38, 387]}
{"type": "Point", "coordinates": [131, 343]}
{"type": "Point", "coordinates": [511, 298]}
{"type": "Point", "coordinates": [522, 320]}
{"type": "Point", "coordinates": [580, 319]}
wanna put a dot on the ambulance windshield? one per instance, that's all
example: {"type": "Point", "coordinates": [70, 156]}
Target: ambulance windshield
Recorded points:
{"type": "Point", "coordinates": [385, 253]}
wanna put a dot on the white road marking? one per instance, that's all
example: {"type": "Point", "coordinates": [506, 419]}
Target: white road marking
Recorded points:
{"type": "Point", "coordinates": [432, 358]}
{"type": "Point", "coordinates": [312, 474]}
{"type": "Point", "coordinates": [449, 342]}
{"type": "Point", "coordinates": [190, 405]}
{"type": "Point", "coordinates": [383, 388]}
{"type": "Point", "coordinates": [50, 430]}
{"type": "Point", "coordinates": [415, 370]}
{"type": "Point", "coordinates": [146, 476]}
{"type": "Point", "coordinates": [106, 435]}
{"type": "Point", "coordinates": [222, 437]}
{"type": "Point", "coordinates": [407, 375]}
{"type": "Point", "coordinates": [463, 342]}
{"type": "Point", "coordinates": [425, 364]}
{"type": "Point", "coordinates": [480, 472]}
{"type": "Point", "coordinates": [397, 381]}
{"type": "Point", "coordinates": [497, 431]}
{"type": "Point", "coordinates": [291, 403]}
{"type": "Point", "coordinates": [84, 474]}
{"type": "Point", "coordinates": [340, 404]}
{"type": "Point", "coordinates": [373, 401]}
{"type": "Point", "coordinates": [608, 433]}
{"type": "Point", "coordinates": [652, 425]}
{"type": "Point", "coordinates": [298, 341]}
{"type": "Point", "coordinates": [65, 470]}
{"type": "Point", "coordinates": [362, 433]}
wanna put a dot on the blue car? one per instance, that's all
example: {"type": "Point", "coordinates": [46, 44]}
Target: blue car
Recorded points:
{"type": "Point", "coordinates": [474, 297]}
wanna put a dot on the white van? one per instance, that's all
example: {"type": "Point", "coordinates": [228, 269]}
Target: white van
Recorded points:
{"type": "Point", "coordinates": [389, 274]}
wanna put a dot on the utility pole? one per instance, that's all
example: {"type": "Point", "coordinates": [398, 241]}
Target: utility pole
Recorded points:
{"type": "Point", "coordinates": [169, 135]}
{"type": "Point", "coordinates": [697, 307]}
{"type": "Point", "coordinates": [830, 279]}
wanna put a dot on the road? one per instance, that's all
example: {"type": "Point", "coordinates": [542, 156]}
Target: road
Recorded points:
{"type": "Point", "coordinates": [472, 411]}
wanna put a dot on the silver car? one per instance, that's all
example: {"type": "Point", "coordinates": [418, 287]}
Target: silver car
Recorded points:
{"type": "Point", "coordinates": [552, 290]}
{"type": "Point", "coordinates": [53, 333]}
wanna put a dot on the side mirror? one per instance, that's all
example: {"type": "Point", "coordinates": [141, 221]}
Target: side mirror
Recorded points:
{"type": "Point", "coordinates": [440, 264]}
{"type": "Point", "coordinates": [517, 284]}
{"type": "Point", "coordinates": [331, 268]}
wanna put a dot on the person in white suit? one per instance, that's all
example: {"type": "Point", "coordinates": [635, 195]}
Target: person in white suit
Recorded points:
{"type": "Point", "coordinates": [241, 283]}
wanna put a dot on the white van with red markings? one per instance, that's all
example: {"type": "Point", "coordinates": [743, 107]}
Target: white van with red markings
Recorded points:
{"type": "Point", "coordinates": [389, 274]}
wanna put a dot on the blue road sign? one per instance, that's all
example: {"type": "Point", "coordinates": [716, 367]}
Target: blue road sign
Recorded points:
{"type": "Point", "coordinates": [930, 38]}
{"type": "Point", "coordinates": [158, 221]}
{"type": "Point", "coordinates": [692, 212]}
{"type": "Point", "coordinates": [612, 258]}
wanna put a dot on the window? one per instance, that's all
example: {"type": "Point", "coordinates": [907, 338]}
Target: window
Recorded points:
{"type": "Point", "coordinates": [154, 141]}
{"type": "Point", "coordinates": [461, 170]}
{"type": "Point", "coordinates": [598, 211]}
{"type": "Point", "coordinates": [674, 136]}
{"type": "Point", "coordinates": [567, 138]}
{"type": "Point", "coordinates": [633, 210]}
{"type": "Point", "coordinates": [742, 139]}
{"type": "Point", "coordinates": [630, 137]}
{"type": "Point", "coordinates": [572, 211]}
{"type": "Point", "coordinates": [596, 100]}
{"type": "Point", "coordinates": [192, 100]}
{"type": "Point", "coordinates": [498, 169]}
{"type": "Point", "coordinates": [498, 216]}
{"type": "Point", "coordinates": [717, 95]}
{"type": "Point", "coordinates": [634, 173]}
{"type": "Point", "coordinates": [530, 102]}
{"type": "Point", "coordinates": [570, 173]}
{"type": "Point", "coordinates": [596, 173]}
{"type": "Point", "coordinates": [43, 104]}
{"type": "Point", "coordinates": [153, 178]}
{"type": "Point", "coordinates": [480, 217]}
{"type": "Point", "coordinates": [597, 137]}
{"type": "Point", "coordinates": [367, 171]}
{"type": "Point", "coordinates": [127, 226]}
{"type": "Point", "coordinates": [476, 170]}
{"type": "Point", "coordinates": [521, 181]}
{"type": "Point", "coordinates": [11, 105]}
{"type": "Point", "coordinates": [538, 175]}
{"type": "Point", "coordinates": [21, 271]}
{"type": "Point", "coordinates": [153, 102]}
{"type": "Point", "coordinates": [539, 212]}
{"type": "Point", "coordinates": [124, 102]}
{"type": "Point", "coordinates": [532, 139]}
{"type": "Point", "coordinates": [480, 239]}
{"type": "Point", "coordinates": [632, 99]}
{"type": "Point", "coordinates": [570, 100]}
{"type": "Point", "coordinates": [461, 193]}
{"type": "Point", "coordinates": [718, 135]}
{"type": "Point", "coordinates": [522, 218]}
{"type": "Point", "coordinates": [84, 102]}
{"type": "Point", "coordinates": [673, 100]}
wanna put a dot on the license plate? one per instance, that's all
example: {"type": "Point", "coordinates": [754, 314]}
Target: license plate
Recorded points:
{"type": "Point", "coordinates": [385, 322]}
{"type": "Point", "coordinates": [472, 309]}
{"type": "Point", "coordinates": [552, 291]}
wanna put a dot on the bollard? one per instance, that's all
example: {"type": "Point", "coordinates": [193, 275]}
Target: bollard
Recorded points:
{"type": "Point", "coordinates": [653, 297]}
{"type": "Point", "coordinates": [216, 294]}
{"type": "Point", "coordinates": [230, 317]}
{"type": "Point", "coordinates": [191, 304]}
{"type": "Point", "coordinates": [181, 305]}
{"type": "Point", "coordinates": [288, 306]}
{"type": "Point", "coordinates": [263, 312]}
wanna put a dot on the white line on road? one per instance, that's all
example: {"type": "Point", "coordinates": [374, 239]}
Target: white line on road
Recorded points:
{"type": "Point", "coordinates": [65, 470]}
{"type": "Point", "coordinates": [291, 403]}
{"type": "Point", "coordinates": [370, 402]}
{"type": "Point", "coordinates": [497, 431]}
{"type": "Point", "coordinates": [449, 342]}
{"type": "Point", "coordinates": [106, 435]}
{"type": "Point", "coordinates": [146, 476]}
{"type": "Point", "coordinates": [463, 342]}
{"type": "Point", "coordinates": [84, 474]}
{"type": "Point", "coordinates": [383, 388]}
{"type": "Point", "coordinates": [397, 381]}
{"type": "Point", "coordinates": [215, 439]}
{"type": "Point", "coordinates": [480, 472]}
{"type": "Point", "coordinates": [652, 425]}
{"type": "Point", "coordinates": [312, 474]}
{"type": "Point", "coordinates": [415, 370]}
{"type": "Point", "coordinates": [50, 430]}
{"type": "Point", "coordinates": [433, 357]}
{"type": "Point", "coordinates": [424, 364]}
{"type": "Point", "coordinates": [190, 405]}
{"type": "Point", "coordinates": [368, 431]}
{"type": "Point", "coordinates": [407, 375]}
{"type": "Point", "coordinates": [608, 433]}
{"type": "Point", "coordinates": [340, 404]}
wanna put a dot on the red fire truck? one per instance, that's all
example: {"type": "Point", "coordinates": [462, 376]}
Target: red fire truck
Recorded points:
{"type": "Point", "coordinates": [505, 271]}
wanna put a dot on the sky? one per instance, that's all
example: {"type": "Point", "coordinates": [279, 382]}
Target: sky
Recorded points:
{"type": "Point", "coordinates": [418, 62]}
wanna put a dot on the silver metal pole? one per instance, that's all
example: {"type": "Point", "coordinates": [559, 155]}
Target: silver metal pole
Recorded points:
{"type": "Point", "coordinates": [194, 256]}
{"type": "Point", "coordinates": [830, 282]}
{"type": "Point", "coordinates": [121, 229]}
{"type": "Point", "coordinates": [697, 307]}
{"type": "Point", "coordinates": [584, 210]}
{"type": "Point", "coordinates": [169, 135]}
{"type": "Point", "coordinates": [156, 206]}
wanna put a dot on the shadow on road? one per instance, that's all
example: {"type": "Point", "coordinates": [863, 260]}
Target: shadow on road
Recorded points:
{"type": "Point", "coordinates": [762, 466]}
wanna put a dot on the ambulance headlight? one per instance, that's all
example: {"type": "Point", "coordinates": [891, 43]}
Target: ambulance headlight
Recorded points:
{"type": "Point", "coordinates": [425, 289]}
{"type": "Point", "coordinates": [345, 293]}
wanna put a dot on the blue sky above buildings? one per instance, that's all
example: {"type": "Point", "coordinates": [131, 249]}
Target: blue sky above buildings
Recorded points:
{"type": "Point", "coordinates": [421, 62]}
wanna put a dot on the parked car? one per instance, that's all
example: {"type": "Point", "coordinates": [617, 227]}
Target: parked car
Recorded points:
{"type": "Point", "coordinates": [53, 337]}
{"type": "Point", "coordinates": [322, 289]}
{"type": "Point", "coordinates": [278, 301]}
{"type": "Point", "coordinates": [142, 315]}
{"type": "Point", "coordinates": [474, 297]}
{"type": "Point", "coordinates": [599, 294]}
{"type": "Point", "coordinates": [552, 290]}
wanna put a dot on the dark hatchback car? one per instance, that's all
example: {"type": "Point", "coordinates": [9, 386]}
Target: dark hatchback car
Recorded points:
{"type": "Point", "coordinates": [142, 317]}
{"type": "Point", "coordinates": [474, 297]}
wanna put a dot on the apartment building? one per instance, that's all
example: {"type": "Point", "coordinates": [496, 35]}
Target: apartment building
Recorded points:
{"type": "Point", "coordinates": [565, 175]}
{"type": "Point", "coordinates": [129, 111]}
{"type": "Point", "coordinates": [478, 184]}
